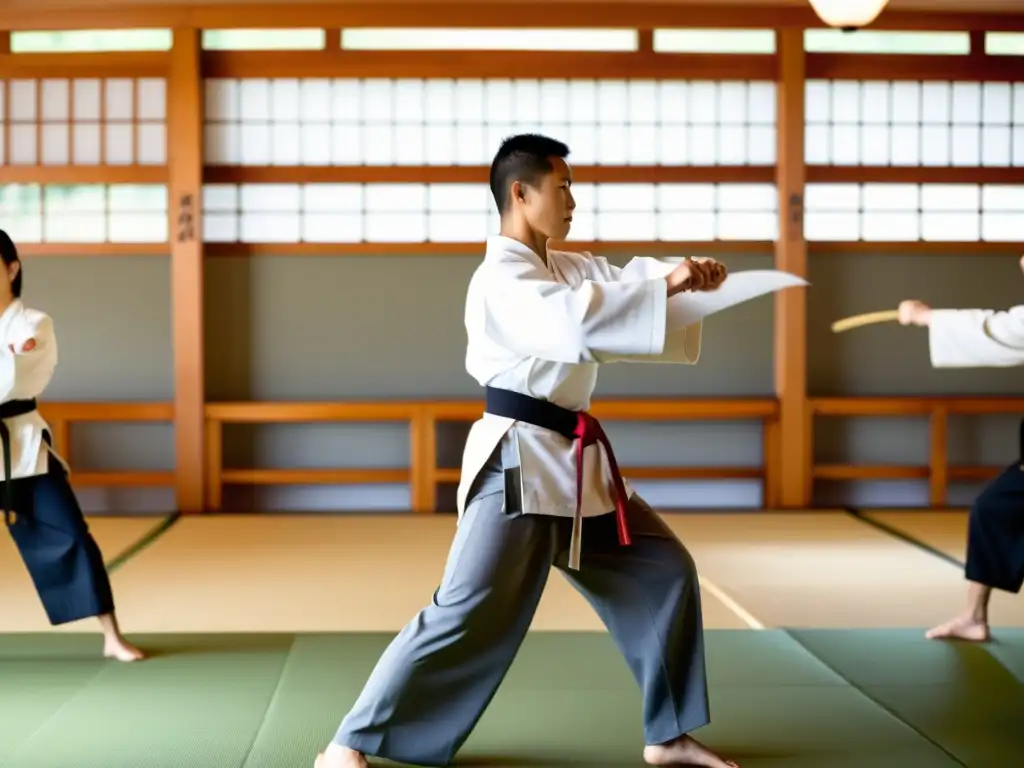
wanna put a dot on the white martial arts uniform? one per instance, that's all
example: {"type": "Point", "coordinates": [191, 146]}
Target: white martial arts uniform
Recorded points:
{"type": "Point", "coordinates": [23, 376]}
{"type": "Point", "coordinates": [976, 338]}
{"type": "Point", "coordinates": [543, 331]}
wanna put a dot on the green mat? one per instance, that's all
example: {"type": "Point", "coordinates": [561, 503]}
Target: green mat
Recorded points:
{"type": "Point", "coordinates": [957, 695]}
{"type": "Point", "coordinates": [822, 699]}
{"type": "Point", "coordinates": [1008, 648]}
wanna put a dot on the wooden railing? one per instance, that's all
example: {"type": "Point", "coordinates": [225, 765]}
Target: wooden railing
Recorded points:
{"type": "Point", "coordinates": [938, 471]}
{"type": "Point", "coordinates": [61, 416]}
{"type": "Point", "coordinates": [423, 417]}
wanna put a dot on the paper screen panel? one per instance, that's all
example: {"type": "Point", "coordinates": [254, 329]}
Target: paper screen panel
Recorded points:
{"type": "Point", "coordinates": [887, 42]}
{"type": "Point", "coordinates": [914, 212]}
{"type": "Point", "coordinates": [91, 40]}
{"type": "Point", "coordinates": [307, 39]}
{"type": "Point", "coordinates": [457, 213]}
{"type": "Point", "coordinates": [1004, 43]}
{"type": "Point", "coordinates": [477, 39]}
{"type": "Point", "coordinates": [84, 213]}
{"type": "Point", "coordinates": [85, 121]}
{"type": "Point", "coordinates": [440, 122]}
{"type": "Point", "coordinates": [910, 123]}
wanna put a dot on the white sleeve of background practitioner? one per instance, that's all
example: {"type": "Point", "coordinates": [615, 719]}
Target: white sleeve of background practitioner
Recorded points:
{"type": "Point", "coordinates": [24, 375]}
{"type": "Point", "coordinates": [969, 338]}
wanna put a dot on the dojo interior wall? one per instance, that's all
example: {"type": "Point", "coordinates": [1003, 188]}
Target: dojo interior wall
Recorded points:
{"type": "Point", "coordinates": [339, 326]}
{"type": "Point", "coordinates": [295, 328]}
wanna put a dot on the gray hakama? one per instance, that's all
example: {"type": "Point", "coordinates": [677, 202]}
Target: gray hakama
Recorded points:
{"type": "Point", "coordinates": [432, 684]}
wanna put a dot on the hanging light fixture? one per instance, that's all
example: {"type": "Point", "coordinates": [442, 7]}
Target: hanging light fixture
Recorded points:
{"type": "Point", "coordinates": [848, 15]}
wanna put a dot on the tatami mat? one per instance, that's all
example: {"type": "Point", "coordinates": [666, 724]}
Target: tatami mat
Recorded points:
{"type": "Point", "coordinates": [806, 697]}
{"type": "Point", "coordinates": [947, 532]}
{"type": "Point", "coordinates": [272, 701]}
{"type": "Point", "coordinates": [295, 573]}
{"type": "Point", "coordinates": [957, 695]}
{"type": "Point", "coordinates": [21, 609]}
{"type": "Point", "coordinates": [289, 573]}
{"type": "Point", "coordinates": [825, 570]}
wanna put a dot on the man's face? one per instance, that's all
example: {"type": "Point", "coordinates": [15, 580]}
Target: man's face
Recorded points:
{"type": "Point", "coordinates": [548, 206]}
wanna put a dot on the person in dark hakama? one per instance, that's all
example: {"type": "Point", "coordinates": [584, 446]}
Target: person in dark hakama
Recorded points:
{"type": "Point", "coordinates": [976, 338]}
{"type": "Point", "coordinates": [39, 505]}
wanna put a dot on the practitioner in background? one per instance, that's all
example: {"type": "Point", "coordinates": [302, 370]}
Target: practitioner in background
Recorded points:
{"type": "Point", "coordinates": [975, 338]}
{"type": "Point", "coordinates": [39, 505]}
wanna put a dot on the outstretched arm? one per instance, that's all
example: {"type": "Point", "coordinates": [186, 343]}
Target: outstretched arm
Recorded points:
{"type": "Point", "coordinates": [682, 339]}
{"type": "Point", "coordinates": [598, 318]}
{"type": "Point", "coordinates": [969, 338]}
{"type": "Point", "coordinates": [528, 312]}
{"type": "Point", "coordinates": [25, 372]}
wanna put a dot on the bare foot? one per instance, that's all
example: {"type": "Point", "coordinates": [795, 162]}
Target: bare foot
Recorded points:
{"type": "Point", "coordinates": [340, 757]}
{"type": "Point", "coordinates": [120, 649]}
{"type": "Point", "coordinates": [685, 751]}
{"type": "Point", "coordinates": [960, 628]}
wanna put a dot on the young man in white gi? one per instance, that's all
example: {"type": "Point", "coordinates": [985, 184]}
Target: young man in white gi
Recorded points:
{"type": "Point", "coordinates": [539, 323]}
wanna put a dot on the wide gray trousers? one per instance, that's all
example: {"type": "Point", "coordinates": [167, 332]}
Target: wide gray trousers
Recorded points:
{"type": "Point", "coordinates": [432, 684]}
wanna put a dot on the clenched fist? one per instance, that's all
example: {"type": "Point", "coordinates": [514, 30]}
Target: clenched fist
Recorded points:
{"type": "Point", "coordinates": [696, 275]}
{"type": "Point", "coordinates": [28, 346]}
{"type": "Point", "coordinates": [914, 312]}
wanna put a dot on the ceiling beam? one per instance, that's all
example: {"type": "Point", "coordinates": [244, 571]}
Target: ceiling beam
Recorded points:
{"type": "Point", "coordinates": [114, 15]}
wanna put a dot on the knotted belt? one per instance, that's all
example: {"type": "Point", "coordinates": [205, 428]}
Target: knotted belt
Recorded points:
{"type": "Point", "coordinates": [573, 425]}
{"type": "Point", "coordinates": [9, 410]}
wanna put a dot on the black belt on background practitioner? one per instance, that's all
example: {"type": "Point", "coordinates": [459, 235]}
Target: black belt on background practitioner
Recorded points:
{"type": "Point", "coordinates": [9, 410]}
{"type": "Point", "coordinates": [579, 426]}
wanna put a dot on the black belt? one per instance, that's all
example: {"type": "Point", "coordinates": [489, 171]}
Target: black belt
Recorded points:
{"type": "Point", "coordinates": [9, 410]}
{"type": "Point", "coordinates": [580, 427]}
{"type": "Point", "coordinates": [540, 413]}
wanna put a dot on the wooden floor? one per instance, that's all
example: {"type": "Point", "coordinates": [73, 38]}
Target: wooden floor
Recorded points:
{"type": "Point", "coordinates": [294, 573]}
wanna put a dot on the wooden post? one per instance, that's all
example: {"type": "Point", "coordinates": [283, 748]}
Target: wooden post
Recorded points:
{"type": "Point", "coordinates": [794, 432]}
{"type": "Point", "coordinates": [938, 477]}
{"type": "Point", "coordinates": [185, 174]}
{"type": "Point", "coordinates": [423, 458]}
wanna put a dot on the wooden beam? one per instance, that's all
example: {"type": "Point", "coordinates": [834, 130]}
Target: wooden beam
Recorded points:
{"type": "Point", "coordinates": [794, 431]}
{"type": "Point", "coordinates": [5, 97]}
{"type": "Point", "coordinates": [133, 64]}
{"type": "Point", "coordinates": [473, 174]}
{"type": "Point", "coordinates": [478, 174]}
{"type": "Point", "coordinates": [185, 163]}
{"type": "Point", "coordinates": [82, 174]}
{"type": "Point", "coordinates": [476, 249]}
{"type": "Point", "coordinates": [880, 66]}
{"type": "Point", "coordinates": [914, 174]}
{"type": "Point", "coordinates": [640, 15]}
{"type": "Point", "coordinates": [489, 63]}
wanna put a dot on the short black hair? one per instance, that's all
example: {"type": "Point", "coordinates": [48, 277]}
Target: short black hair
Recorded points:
{"type": "Point", "coordinates": [526, 158]}
{"type": "Point", "coordinates": [9, 254]}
